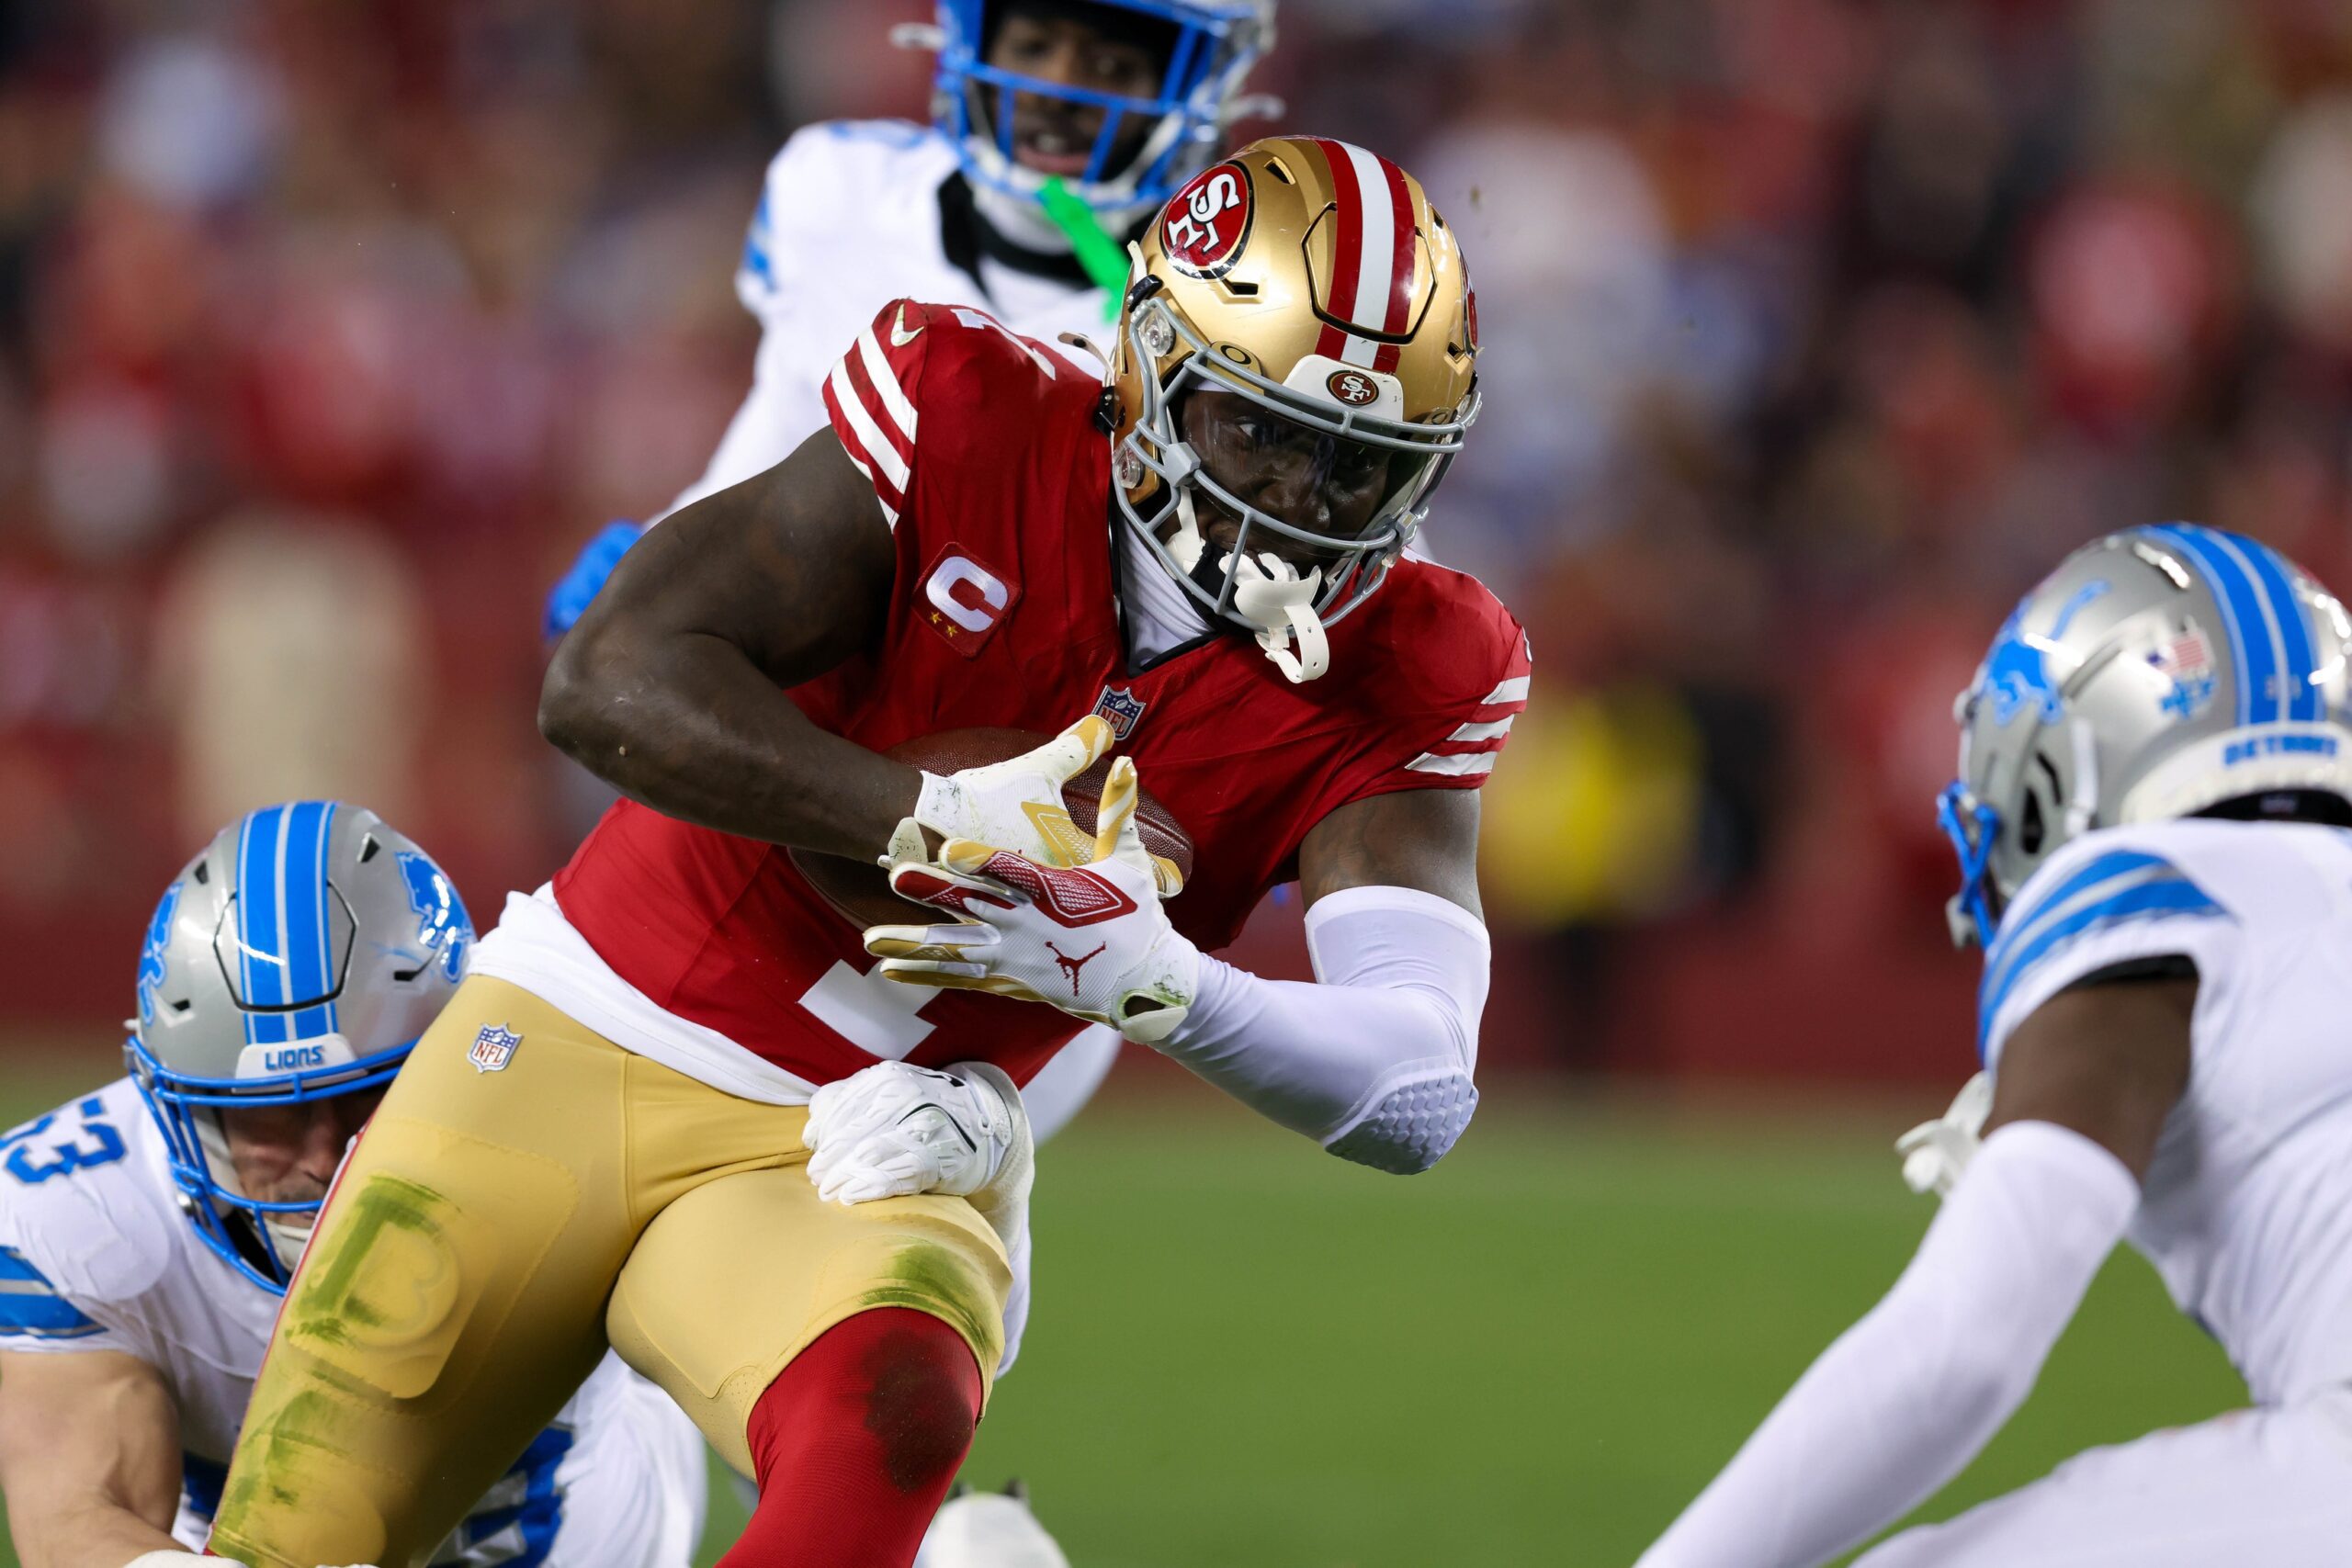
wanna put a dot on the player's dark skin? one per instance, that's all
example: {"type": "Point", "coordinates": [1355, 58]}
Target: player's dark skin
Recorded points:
{"type": "Point", "coordinates": [2107, 1060]}
{"type": "Point", "coordinates": [672, 686]}
{"type": "Point", "coordinates": [1089, 47]}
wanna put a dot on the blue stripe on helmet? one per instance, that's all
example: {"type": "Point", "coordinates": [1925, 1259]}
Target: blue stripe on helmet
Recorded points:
{"type": "Point", "coordinates": [309, 932]}
{"type": "Point", "coordinates": [261, 949]}
{"type": "Point", "coordinates": [2170, 894]}
{"type": "Point", "coordinates": [2269, 571]}
{"type": "Point", "coordinates": [2251, 640]}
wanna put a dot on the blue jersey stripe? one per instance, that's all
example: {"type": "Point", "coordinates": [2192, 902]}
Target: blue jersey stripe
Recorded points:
{"type": "Point", "coordinates": [543, 1504]}
{"type": "Point", "coordinates": [2030, 943]}
{"type": "Point", "coordinates": [2018, 923]}
{"type": "Point", "coordinates": [2241, 616]}
{"type": "Point", "coordinates": [534, 1520]}
{"type": "Point", "coordinates": [30, 1306]}
{"type": "Point", "coordinates": [756, 245]}
{"type": "Point", "coordinates": [2298, 693]}
{"type": "Point", "coordinates": [201, 1482]}
{"type": "Point", "coordinates": [2152, 899]}
{"type": "Point", "coordinates": [33, 1308]}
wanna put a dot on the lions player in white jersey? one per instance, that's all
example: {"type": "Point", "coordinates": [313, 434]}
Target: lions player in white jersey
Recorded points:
{"type": "Point", "coordinates": [1115, 103]}
{"type": "Point", "coordinates": [147, 1229]}
{"type": "Point", "coordinates": [2155, 774]}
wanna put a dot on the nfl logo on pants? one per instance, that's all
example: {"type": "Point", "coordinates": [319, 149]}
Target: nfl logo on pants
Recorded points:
{"type": "Point", "coordinates": [493, 1048]}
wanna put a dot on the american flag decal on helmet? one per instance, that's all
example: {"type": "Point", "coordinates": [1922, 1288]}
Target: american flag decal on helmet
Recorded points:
{"type": "Point", "coordinates": [2188, 662]}
{"type": "Point", "coordinates": [1372, 260]}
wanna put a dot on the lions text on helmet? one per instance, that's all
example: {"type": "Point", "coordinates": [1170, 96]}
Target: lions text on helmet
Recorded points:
{"type": "Point", "coordinates": [1295, 370]}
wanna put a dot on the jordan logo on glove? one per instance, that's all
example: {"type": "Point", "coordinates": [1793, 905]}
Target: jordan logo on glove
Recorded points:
{"type": "Point", "coordinates": [1070, 967]}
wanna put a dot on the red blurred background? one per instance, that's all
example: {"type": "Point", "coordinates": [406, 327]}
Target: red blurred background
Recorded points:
{"type": "Point", "coordinates": [1818, 330]}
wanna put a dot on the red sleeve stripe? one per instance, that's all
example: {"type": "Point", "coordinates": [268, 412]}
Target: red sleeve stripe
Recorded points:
{"type": "Point", "coordinates": [1462, 764]}
{"type": "Point", "coordinates": [878, 371]}
{"type": "Point", "coordinates": [862, 435]}
{"type": "Point", "coordinates": [855, 429]}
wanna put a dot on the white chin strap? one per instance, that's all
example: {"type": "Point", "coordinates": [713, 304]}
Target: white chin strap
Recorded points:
{"type": "Point", "coordinates": [1269, 592]}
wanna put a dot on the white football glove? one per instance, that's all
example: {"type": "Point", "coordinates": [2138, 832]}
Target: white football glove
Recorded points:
{"type": "Point", "coordinates": [892, 1130]}
{"type": "Point", "coordinates": [1017, 802]}
{"type": "Point", "coordinates": [1935, 1153]}
{"type": "Point", "coordinates": [989, 1530]}
{"type": "Point", "coordinates": [1090, 940]}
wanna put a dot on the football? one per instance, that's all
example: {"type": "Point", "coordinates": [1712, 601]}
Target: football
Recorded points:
{"type": "Point", "coordinates": [860, 892]}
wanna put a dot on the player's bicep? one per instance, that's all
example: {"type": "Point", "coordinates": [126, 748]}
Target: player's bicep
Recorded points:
{"type": "Point", "coordinates": [2108, 1058]}
{"type": "Point", "coordinates": [1422, 838]}
{"type": "Point", "coordinates": [793, 566]}
{"type": "Point", "coordinates": [85, 1432]}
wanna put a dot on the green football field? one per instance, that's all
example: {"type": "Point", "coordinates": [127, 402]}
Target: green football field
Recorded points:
{"type": "Point", "coordinates": [1244, 1352]}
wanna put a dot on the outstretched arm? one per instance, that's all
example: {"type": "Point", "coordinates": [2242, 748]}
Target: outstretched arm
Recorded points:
{"type": "Point", "coordinates": [89, 1457]}
{"type": "Point", "coordinates": [1908, 1395]}
{"type": "Point", "coordinates": [671, 687]}
{"type": "Point", "coordinates": [1374, 1061]}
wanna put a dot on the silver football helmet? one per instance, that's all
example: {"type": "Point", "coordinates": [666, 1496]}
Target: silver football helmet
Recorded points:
{"type": "Point", "coordinates": [296, 958]}
{"type": "Point", "coordinates": [2158, 672]}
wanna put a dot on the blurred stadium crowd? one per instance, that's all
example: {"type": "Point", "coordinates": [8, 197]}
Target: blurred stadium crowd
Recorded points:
{"type": "Point", "coordinates": [1818, 329]}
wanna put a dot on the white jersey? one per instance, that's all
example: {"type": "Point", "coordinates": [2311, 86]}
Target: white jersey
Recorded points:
{"type": "Point", "coordinates": [95, 1255]}
{"type": "Point", "coordinates": [2246, 1209]}
{"type": "Point", "coordinates": [854, 214]}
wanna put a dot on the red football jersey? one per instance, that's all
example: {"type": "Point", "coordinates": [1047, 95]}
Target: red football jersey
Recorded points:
{"type": "Point", "coordinates": [987, 459]}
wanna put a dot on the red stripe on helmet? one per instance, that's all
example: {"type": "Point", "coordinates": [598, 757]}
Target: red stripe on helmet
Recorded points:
{"type": "Point", "coordinates": [1347, 233]}
{"type": "Point", "coordinates": [1400, 282]}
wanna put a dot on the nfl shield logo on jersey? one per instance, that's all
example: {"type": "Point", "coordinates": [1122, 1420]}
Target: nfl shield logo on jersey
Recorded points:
{"type": "Point", "coordinates": [1120, 710]}
{"type": "Point", "coordinates": [493, 1048]}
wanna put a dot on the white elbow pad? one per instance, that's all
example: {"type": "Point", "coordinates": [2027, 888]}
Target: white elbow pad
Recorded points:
{"type": "Point", "coordinates": [1411, 1127]}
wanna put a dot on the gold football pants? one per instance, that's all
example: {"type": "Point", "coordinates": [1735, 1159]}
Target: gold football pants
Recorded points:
{"type": "Point", "coordinates": [494, 1229]}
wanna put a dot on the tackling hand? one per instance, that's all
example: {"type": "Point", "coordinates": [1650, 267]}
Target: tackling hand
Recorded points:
{"type": "Point", "coordinates": [1090, 940]}
{"type": "Point", "coordinates": [892, 1130]}
{"type": "Point", "coordinates": [1017, 802]}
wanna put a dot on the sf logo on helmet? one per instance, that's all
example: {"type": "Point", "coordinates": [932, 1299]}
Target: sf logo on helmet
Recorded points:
{"type": "Point", "coordinates": [1353, 387]}
{"type": "Point", "coordinates": [1209, 221]}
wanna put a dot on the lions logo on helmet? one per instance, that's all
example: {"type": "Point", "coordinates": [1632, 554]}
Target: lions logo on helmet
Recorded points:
{"type": "Point", "coordinates": [2159, 673]}
{"type": "Point", "coordinates": [296, 958]}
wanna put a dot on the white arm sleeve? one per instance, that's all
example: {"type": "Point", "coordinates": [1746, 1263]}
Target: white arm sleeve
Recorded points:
{"type": "Point", "coordinates": [1906, 1398]}
{"type": "Point", "coordinates": [1373, 1062]}
{"type": "Point", "coordinates": [1065, 1084]}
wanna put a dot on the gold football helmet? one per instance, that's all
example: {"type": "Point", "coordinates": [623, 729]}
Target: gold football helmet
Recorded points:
{"type": "Point", "coordinates": [1314, 280]}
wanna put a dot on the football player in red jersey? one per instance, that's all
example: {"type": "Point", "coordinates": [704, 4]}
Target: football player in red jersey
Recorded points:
{"type": "Point", "coordinates": [1206, 554]}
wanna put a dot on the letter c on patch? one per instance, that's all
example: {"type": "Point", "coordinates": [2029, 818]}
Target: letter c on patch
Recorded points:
{"type": "Point", "coordinates": [981, 601]}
